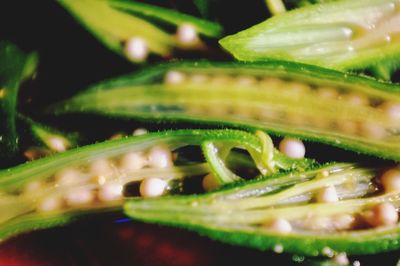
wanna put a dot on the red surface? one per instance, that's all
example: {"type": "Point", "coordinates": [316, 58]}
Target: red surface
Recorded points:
{"type": "Point", "coordinates": [109, 243]}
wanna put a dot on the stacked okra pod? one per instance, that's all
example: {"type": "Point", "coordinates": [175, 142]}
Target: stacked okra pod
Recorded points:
{"type": "Point", "coordinates": [247, 191]}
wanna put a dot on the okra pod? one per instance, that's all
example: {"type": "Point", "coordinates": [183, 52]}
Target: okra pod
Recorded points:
{"type": "Point", "coordinates": [61, 187]}
{"type": "Point", "coordinates": [321, 212]}
{"type": "Point", "coordinates": [284, 98]}
{"type": "Point", "coordinates": [342, 34]}
{"type": "Point", "coordinates": [130, 28]}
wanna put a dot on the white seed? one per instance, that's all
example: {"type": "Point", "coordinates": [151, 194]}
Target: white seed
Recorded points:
{"type": "Point", "coordinates": [67, 177]}
{"type": "Point", "coordinates": [152, 187]}
{"type": "Point", "coordinates": [246, 80]}
{"type": "Point", "coordinates": [79, 196]}
{"type": "Point", "coordinates": [327, 195]}
{"type": "Point", "coordinates": [327, 251]}
{"type": "Point", "coordinates": [280, 225]}
{"type": "Point", "coordinates": [341, 259]}
{"type": "Point", "coordinates": [133, 161]}
{"type": "Point", "coordinates": [391, 180]}
{"type": "Point", "coordinates": [139, 131]}
{"type": "Point", "coordinates": [186, 34]}
{"type": "Point", "coordinates": [100, 167]}
{"type": "Point", "coordinates": [160, 157]}
{"type": "Point", "coordinates": [356, 263]}
{"type": "Point", "coordinates": [293, 148]}
{"type": "Point", "coordinates": [174, 77]}
{"type": "Point", "coordinates": [209, 182]}
{"type": "Point", "coordinates": [136, 49]}
{"type": "Point", "coordinates": [383, 214]}
{"type": "Point", "coordinates": [372, 130]}
{"type": "Point", "coordinates": [110, 192]}
{"type": "Point", "coordinates": [278, 248]}
{"type": "Point", "coordinates": [57, 144]}
{"type": "Point", "coordinates": [327, 93]}
{"type": "Point", "coordinates": [347, 126]}
{"type": "Point", "coordinates": [50, 204]}
{"type": "Point", "coordinates": [392, 110]}
{"type": "Point", "coordinates": [343, 221]}
{"type": "Point", "coordinates": [356, 99]}
{"type": "Point", "coordinates": [33, 186]}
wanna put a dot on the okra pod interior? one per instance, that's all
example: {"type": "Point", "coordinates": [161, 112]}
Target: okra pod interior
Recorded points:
{"type": "Point", "coordinates": [353, 112]}
{"type": "Point", "coordinates": [96, 177]}
{"type": "Point", "coordinates": [330, 209]}
{"type": "Point", "coordinates": [339, 34]}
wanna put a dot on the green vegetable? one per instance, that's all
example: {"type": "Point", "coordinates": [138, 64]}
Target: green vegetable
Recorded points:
{"type": "Point", "coordinates": [55, 189]}
{"type": "Point", "coordinates": [117, 23]}
{"type": "Point", "coordinates": [285, 213]}
{"type": "Point", "coordinates": [15, 67]}
{"type": "Point", "coordinates": [342, 34]}
{"type": "Point", "coordinates": [283, 98]}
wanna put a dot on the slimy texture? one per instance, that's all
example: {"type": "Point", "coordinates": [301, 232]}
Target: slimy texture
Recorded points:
{"type": "Point", "coordinates": [303, 101]}
{"type": "Point", "coordinates": [341, 35]}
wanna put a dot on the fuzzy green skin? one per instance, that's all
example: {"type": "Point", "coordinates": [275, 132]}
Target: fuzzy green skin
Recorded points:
{"type": "Point", "coordinates": [141, 82]}
{"type": "Point", "coordinates": [325, 15]}
{"type": "Point", "coordinates": [188, 212]}
{"type": "Point", "coordinates": [15, 66]}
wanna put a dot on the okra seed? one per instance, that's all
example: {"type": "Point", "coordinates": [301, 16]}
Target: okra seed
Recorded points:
{"type": "Point", "coordinates": [391, 180]}
{"type": "Point", "coordinates": [343, 221]}
{"type": "Point", "coordinates": [174, 77]}
{"type": "Point", "coordinates": [110, 192]}
{"type": "Point", "coordinates": [327, 195]}
{"type": "Point", "coordinates": [152, 187]}
{"type": "Point", "coordinates": [136, 49]}
{"type": "Point", "coordinates": [327, 92]}
{"type": "Point", "coordinates": [100, 167]}
{"type": "Point", "coordinates": [79, 196]}
{"type": "Point", "coordinates": [33, 186]}
{"type": "Point", "coordinates": [186, 34]}
{"type": "Point", "coordinates": [278, 248]}
{"type": "Point", "coordinates": [383, 214]}
{"type": "Point", "coordinates": [160, 157]}
{"type": "Point", "coordinates": [50, 204]}
{"type": "Point", "coordinates": [57, 144]}
{"type": "Point", "coordinates": [392, 110]}
{"type": "Point", "coordinates": [356, 263]}
{"type": "Point", "coordinates": [246, 80]}
{"type": "Point", "coordinates": [293, 148]}
{"type": "Point", "coordinates": [133, 161]}
{"type": "Point", "coordinates": [327, 251]}
{"type": "Point", "coordinates": [372, 130]}
{"type": "Point", "coordinates": [117, 136]}
{"type": "Point", "coordinates": [347, 126]}
{"type": "Point", "coordinates": [280, 225]}
{"type": "Point", "coordinates": [209, 182]}
{"type": "Point", "coordinates": [356, 99]}
{"type": "Point", "coordinates": [139, 132]}
{"type": "Point", "coordinates": [341, 259]}
{"type": "Point", "coordinates": [67, 177]}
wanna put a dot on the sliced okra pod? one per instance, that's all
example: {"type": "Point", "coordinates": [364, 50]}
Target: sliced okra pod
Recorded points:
{"type": "Point", "coordinates": [129, 28]}
{"type": "Point", "coordinates": [342, 34]}
{"type": "Point", "coordinates": [56, 189]}
{"type": "Point", "coordinates": [15, 67]}
{"type": "Point", "coordinates": [349, 111]}
{"type": "Point", "coordinates": [321, 212]}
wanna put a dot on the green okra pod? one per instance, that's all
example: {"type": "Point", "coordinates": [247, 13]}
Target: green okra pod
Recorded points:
{"type": "Point", "coordinates": [339, 34]}
{"type": "Point", "coordinates": [321, 212]}
{"type": "Point", "coordinates": [61, 187]}
{"type": "Point", "coordinates": [284, 98]}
